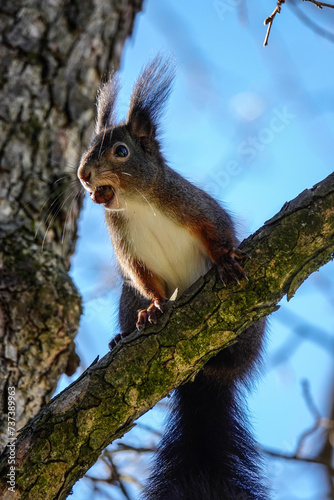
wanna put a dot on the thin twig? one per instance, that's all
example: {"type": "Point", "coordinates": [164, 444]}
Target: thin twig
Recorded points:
{"type": "Point", "coordinates": [286, 456]}
{"type": "Point", "coordinates": [270, 19]}
{"type": "Point", "coordinates": [310, 23]}
{"type": "Point", "coordinates": [320, 5]}
{"type": "Point", "coordinates": [321, 423]}
{"type": "Point", "coordinates": [309, 400]}
{"type": "Point", "coordinates": [122, 447]}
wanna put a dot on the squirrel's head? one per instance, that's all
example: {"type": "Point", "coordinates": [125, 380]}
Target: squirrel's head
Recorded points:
{"type": "Point", "coordinates": [125, 158]}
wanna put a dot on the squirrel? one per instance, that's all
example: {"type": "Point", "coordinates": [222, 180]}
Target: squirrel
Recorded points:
{"type": "Point", "coordinates": [166, 233]}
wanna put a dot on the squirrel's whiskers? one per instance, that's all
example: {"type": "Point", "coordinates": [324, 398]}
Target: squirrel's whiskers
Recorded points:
{"type": "Point", "coordinates": [69, 196]}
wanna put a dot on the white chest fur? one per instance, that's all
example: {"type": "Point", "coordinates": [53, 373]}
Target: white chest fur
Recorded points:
{"type": "Point", "coordinates": [169, 250]}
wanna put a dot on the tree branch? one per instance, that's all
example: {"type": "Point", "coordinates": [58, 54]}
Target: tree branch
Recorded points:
{"type": "Point", "coordinates": [58, 446]}
{"type": "Point", "coordinates": [316, 456]}
{"type": "Point", "coordinates": [270, 19]}
{"type": "Point", "coordinates": [320, 5]}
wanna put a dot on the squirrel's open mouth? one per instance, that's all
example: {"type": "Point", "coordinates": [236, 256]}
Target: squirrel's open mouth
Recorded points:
{"type": "Point", "coordinates": [102, 194]}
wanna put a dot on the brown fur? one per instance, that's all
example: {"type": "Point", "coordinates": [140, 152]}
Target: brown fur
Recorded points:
{"type": "Point", "coordinates": [166, 232]}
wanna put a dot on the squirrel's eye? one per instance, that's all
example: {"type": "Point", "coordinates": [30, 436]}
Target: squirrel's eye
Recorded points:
{"type": "Point", "coordinates": [121, 151]}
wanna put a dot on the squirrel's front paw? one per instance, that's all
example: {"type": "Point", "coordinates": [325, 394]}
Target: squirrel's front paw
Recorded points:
{"type": "Point", "coordinates": [229, 267]}
{"type": "Point", "coordinates": [151, 314]}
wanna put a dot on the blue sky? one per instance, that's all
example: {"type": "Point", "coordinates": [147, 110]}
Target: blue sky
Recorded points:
{"type": "Point", "coordinates": [254, 127]}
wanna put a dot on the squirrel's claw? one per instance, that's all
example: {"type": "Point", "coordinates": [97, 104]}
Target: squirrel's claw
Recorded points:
{"type": "Point", "coordinates": [228, 267]}
{"type": "Point", "coordinates": [150, 315]}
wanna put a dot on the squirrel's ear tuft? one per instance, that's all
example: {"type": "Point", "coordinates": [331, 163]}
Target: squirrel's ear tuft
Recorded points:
{"type": "Point", "coordinates": [106, 100]}
{"type": "Point", "coordinates": [149, 97]}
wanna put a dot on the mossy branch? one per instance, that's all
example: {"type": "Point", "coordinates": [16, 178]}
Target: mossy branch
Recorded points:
{"type": "Point", "coordinates": [58, 446]}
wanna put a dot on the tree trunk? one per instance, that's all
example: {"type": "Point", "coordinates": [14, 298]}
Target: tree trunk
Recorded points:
{"type": "Point", "coordinates": [52, 56]}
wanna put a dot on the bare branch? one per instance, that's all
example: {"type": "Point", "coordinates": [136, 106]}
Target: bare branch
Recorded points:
{"type": "Point", "coordinates": [309, 400]}
{"type": "Point", "coordinates": [287, 456]}
{"type": "Point", "coordinates": [310, 23]}
{"type": "Point", "coordinates": [320, 5]}
{"type": "Point", "coordinates": [325, 425]}
{"type": "Point", "coordinates": [269, 20]}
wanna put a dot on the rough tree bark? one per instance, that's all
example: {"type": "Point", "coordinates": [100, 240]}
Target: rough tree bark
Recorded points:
{"type": "Point", "coordinates": [67, 436]}
{"type": "Point", "coordinates": [52, 56]}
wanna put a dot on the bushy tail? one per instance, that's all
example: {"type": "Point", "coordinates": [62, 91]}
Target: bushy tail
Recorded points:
{"type": "Point", "coordinates": [207, 452]}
